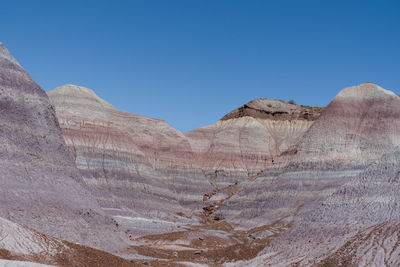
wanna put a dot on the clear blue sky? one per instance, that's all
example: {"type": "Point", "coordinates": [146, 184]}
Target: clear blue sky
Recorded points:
{"type": "Point", "coordinates": [190, 62]}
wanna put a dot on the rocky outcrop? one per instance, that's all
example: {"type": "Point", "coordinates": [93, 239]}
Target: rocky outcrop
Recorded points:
{"type": "Point", "coordinates": [274, 110]}
{"type": "Point", "coordinates": [251, 139]}
{"type": "Point", "coordinates": [40, 185]}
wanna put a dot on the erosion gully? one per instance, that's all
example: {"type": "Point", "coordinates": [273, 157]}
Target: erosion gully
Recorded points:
{"type": "Point", "coordinates": [213, 241]}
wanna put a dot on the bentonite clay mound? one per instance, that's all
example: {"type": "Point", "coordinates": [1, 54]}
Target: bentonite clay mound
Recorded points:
{"type": "Point", "coordinates": [369, 200]}
{"type": "Point", "coordinates": [139, 169]}
{"type": "Point", "coordinates": [143, 172]}
{"type": "Point", "coordinates": [263, 166]}
{"type": "Point", "coordinates": [271, 183]}
{"type": "Point", "coordinates": [250, 139]}
{"type": "Point", "coordinates": [354, 130]}
{"type": "Point", "coordinates": [337, 202]}
{"type": "Point", "coordinates": [40, 184]}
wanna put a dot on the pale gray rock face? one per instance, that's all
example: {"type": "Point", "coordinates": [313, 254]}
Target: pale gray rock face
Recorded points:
{"type": "Point", "coordinates": [21, 240]}
{"type": "Point", "coordinates": [40, 185]}
{"type": "Point", "coordinates": [7, 263]}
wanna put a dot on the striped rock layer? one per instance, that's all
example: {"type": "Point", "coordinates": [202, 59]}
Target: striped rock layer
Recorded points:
{"type": "Point", "coordinates": [366, 205]}
{"type": "Point", "coordinates": [354, 130]}
{"type": "Point", "coordinates": [143, 170]}
{"type": "Point", "coordinates": [250, 139]}
{"type": "Point", "coordinates": [138, 168]}
{"type": "Point", "coordinates": [376, 246]}
{"type": "Point", "coordinates": [326, 192]}
{"type": "Point", "coordinates": [40, 185]}
{"type": "Point", "coordinates": [357, 128]}
{"type": "Point", "coordinates": [355, 226]}
{"type": "Point", "coordinates": [276, 162]}
{"type": "Point", "coordinates": [342, 184]}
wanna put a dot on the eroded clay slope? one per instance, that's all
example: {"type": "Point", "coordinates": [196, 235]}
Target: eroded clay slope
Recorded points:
{"type": "Point", "coordinates": [250, 139]}
{"type": "Point", "coordinates": [376, 246]}
{"type": "Point", "coordinates": [155, 180]}
{"type": "Point", "coordinates": [357, 128]}
{"type": "Point", "coordinates": [335, 206]}
{"type": "Point", "coordinates": [140, 169]}
{"type": "Point", "coordinates": [354, 130]}
{"type": "Point", "coordinates": [40, 185]}
{"type": "Point", "coordinates": [369, 200]}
